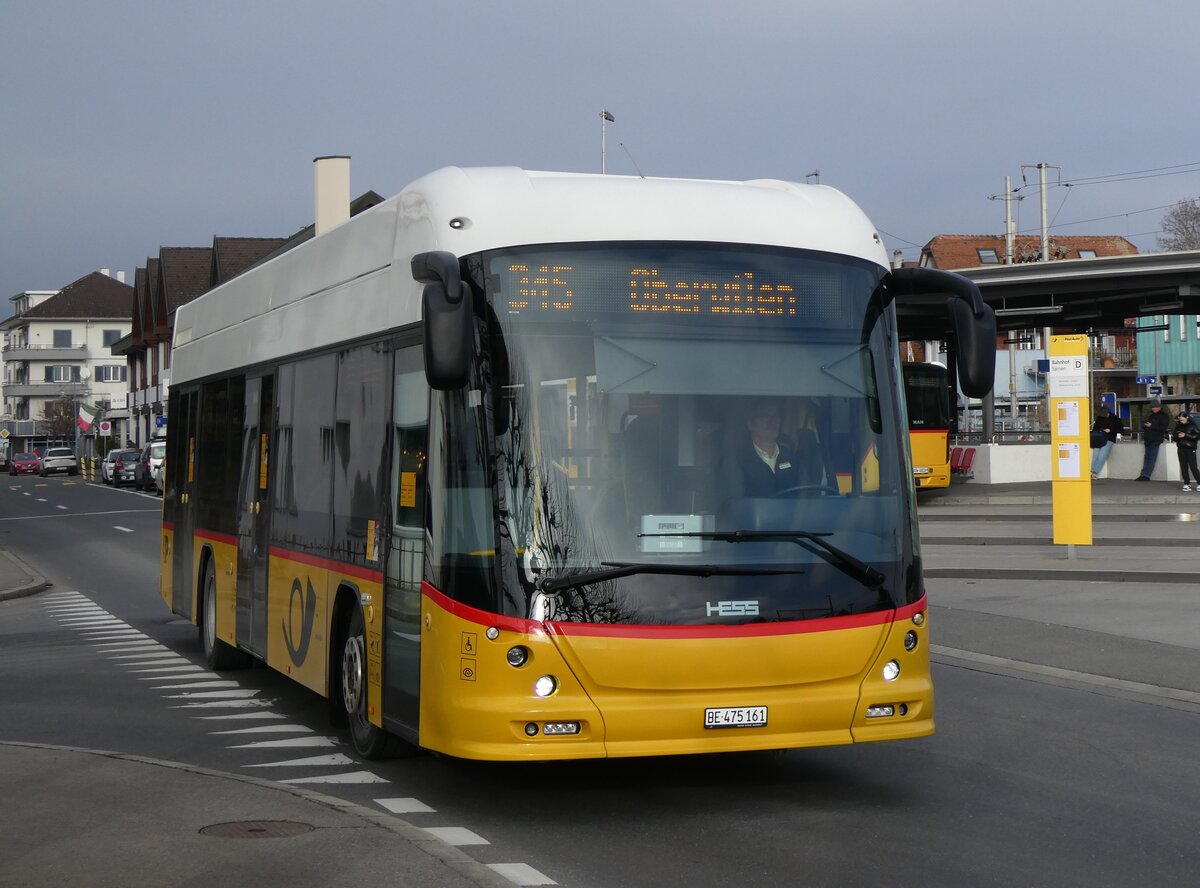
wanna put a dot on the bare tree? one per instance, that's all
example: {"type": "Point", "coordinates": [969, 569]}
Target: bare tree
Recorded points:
{"type": "Point", "coordinates": [59, 417]}
{"type": "Point", "coordinates": [1181, 226]}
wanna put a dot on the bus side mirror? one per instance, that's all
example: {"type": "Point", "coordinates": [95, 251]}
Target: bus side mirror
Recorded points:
{"type": "Point", "coordinates": [446, 319]}
{"type": "Point", "coordinates": [976, 347]}
{"type": "Point", "coordinates": [919, 292]}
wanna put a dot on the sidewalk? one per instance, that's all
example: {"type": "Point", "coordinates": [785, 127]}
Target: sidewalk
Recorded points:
{"type": "Point", "coordinates": [88, 817]}
{"type": "Point", "coordinates": [1106, 491]}
{"type": "Point", "coordinates": [101, 819]}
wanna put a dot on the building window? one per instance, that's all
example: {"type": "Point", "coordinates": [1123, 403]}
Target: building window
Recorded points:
{"type": "Point", "coordinates": [111, 337]}
{"type": "Point", "coordinates": [62, 338]}
{"type": "Point", "coordinates": [110, 373]}
{"type": "Point", "coordinates": [62, 373]}
{"type": "Point", "coordinates": [1183, 328]}
{"type": "Point", "coordinates": [1165, 320]}
{"type": "Point", "coordinates": [1087, 254]}
{"type": "Point", "coordinates": [988, 257]}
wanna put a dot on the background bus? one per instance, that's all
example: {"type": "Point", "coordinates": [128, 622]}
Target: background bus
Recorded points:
{"type": "Point", "coordinates": [471, 465]}
{"type": "Point", "coordinates": [930, 422]}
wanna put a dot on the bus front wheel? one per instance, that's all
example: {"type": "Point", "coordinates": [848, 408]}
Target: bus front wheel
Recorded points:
{"type": "Point", "coordinates": [370, 741]}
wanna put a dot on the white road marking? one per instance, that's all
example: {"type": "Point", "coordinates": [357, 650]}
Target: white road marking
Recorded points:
{"type": "Point", "coordinates": [131, 649]}
{"type": "Point", "coordinates": [122, 529]}
{"type": "Point", "coordinates": [336, 759]}
{"type": "Point", "coordinates": [75, 608]}
{"type": "Point", "coordinates": [239, 715]}
{"type": "Point", "coordinates": [405, 806]}
{"type": "Point", "coordinates": [41, 499]}
{"type": "Point", "coordinates": [216, 695]}
{"type": "Point", "coordinates": [289, 743]}
{"type": "Point", "coordinates": [348, 777]}
{"type": "Point", "coordinates": [171, 662]}
{"type": "Point", "coordinates": [228, 704]}
{"type": "Point", "coordinates": [195, 684]}
{"type": "Point", "coordinates": [521, 874]}
{"type": "Point", "coordinates": [173, 673]}
{"type": "Point", "coordinates": [457, 835]}
{"type": "Point", "coordinates": [61, 507]}
{"type": "Point", "coordinates": [265, 729]}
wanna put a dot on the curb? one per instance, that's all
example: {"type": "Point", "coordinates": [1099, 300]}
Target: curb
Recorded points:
{"type": "Point", "coordinates": [454, 859]}
{"type": "Point", "coordinates": [1093, 576]}
{"type": "Point", "coordinates": [36, 583]}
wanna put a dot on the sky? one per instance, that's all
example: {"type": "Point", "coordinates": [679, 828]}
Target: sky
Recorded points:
{"type": "Point", "coordinates": [129, 125]}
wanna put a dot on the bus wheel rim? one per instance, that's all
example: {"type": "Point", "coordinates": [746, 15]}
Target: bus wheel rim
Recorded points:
{"type": "Point", "coordinates": [352, 673]}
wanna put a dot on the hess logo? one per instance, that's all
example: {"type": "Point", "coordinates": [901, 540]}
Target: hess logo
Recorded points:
{"type": "Point", "coordinates": [732, 608]}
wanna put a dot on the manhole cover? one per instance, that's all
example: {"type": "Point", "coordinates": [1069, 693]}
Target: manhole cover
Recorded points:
{"type": "Point", "coordinates": [256, 829]}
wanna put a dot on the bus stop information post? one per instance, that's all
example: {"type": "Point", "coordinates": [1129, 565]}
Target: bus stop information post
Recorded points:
{"type": "Point", "coordinates": [1070, 441]}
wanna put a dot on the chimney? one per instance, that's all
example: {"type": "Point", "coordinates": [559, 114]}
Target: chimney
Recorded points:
{"type": "Point", "coordinates": [121, 276]}
{"type": "Point", "coordinates": [897, 258]}
{"type": "Point", "coordinates": [331, 192]}
{"type": "Point", "coordinates": [104, 271]}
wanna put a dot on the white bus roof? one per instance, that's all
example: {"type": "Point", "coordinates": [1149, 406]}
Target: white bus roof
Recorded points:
{"type": "Point", "coordinates": [355, 279]}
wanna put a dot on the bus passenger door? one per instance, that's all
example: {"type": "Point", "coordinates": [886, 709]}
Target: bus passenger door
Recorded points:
{"type": "Point", "coordinates": [405, 565]}
{"type": "Point", "coordinates": [254, 516]}
{"type": "Point", "coordinates": [181, 466]}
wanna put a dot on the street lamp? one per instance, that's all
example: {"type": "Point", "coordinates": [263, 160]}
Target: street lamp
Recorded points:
{"type": "Point", "coordinates": [605, 117]}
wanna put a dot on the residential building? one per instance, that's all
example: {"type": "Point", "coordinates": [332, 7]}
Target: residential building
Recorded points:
{"type": "Point", "coordinates": [177, 276]}
{"type": "Point", "coordinates": [57, 355]}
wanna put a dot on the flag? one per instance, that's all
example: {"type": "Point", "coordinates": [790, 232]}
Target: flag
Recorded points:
{"type": "Point", "coordinates": [87, 416]}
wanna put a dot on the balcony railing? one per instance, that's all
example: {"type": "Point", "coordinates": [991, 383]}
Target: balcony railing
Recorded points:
{"type": "Point", "coordinates": [43, 352]}
{"type": "Point", "coordinates": [44, 389]}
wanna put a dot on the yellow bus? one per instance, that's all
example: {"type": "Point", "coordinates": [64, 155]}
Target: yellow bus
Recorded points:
{"type": "Point", "coordinates": [476, 466]}
{"type": "Point", "coordinates": [930, 422]}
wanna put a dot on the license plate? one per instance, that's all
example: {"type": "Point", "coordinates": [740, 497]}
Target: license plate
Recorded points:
{"type": "Point", "coordinates": [736, 717]}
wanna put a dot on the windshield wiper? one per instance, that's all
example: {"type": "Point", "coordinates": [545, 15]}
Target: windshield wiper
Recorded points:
{"type": "Point", "coordinates": [839, 558]}
{"type": "Point", "coordinates": [612, 570]}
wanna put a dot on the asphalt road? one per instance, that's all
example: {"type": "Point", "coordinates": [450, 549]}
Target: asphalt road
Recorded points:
{"type": "Point", "coordinates": [1060, 759]}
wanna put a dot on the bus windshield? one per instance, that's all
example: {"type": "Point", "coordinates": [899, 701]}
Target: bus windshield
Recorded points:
{"type": "Point", "coordinates": [692, 433]}
{"type": "Point", "coordinates": [927, 396]}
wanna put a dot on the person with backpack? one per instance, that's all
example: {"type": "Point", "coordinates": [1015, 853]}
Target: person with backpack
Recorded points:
{"type": "Point", "coordinates": [1154, 431]}
{"type": "Point", "coordinates": [1186, 436]}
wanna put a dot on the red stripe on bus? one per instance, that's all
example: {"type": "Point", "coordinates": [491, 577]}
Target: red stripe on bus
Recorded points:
{"type": "Point", "coordinates": [928, 431]}
{"type": "Point", "coordinates": [216, 537]}
{"type": "Point", "coordinates": [750, 630]}
{"type": "Point", "coordinates": [169, 525]}
{"type": "Point", "coordinates": [353, 570]}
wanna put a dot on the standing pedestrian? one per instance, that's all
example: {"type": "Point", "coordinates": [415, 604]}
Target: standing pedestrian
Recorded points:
{"type": "Point", "coordinates": [1154, 432]}
{"type": "Point", "coordinates": [1187, 435]}
{"type": "Point", "coordinates": [1109, 426]}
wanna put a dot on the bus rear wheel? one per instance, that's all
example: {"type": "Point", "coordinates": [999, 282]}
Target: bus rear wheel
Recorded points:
{"type": "Point", "coordinates": [218, 655]}
{"type": "Point", "coordinates": [370, 741]}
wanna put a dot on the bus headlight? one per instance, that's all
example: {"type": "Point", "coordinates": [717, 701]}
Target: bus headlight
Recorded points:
{"type": "Point", "coordinates": [548, 684]}
{"type": "Point", "coordinates": [910, 640]}
{"type": "Point", "coordinates": [891, 670]}
{"type": "Point", "coordinates": [518, 656]}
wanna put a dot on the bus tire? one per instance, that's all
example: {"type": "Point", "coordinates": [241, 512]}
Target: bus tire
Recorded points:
{"type": "Point", "coordinates": [218, 655]}
{"type": "Point", "coordinates": [369, 741]}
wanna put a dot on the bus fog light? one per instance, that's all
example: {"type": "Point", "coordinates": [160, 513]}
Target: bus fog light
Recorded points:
{"type": "Point", "coordinates": [531, 729]}
{"type": "Point", "coordinates": [550, 728]}
{"type": "Point", "coordinates": [910, 640]}
{"type": "Point", "coordinates": [884, 711]}
{"type": "Point", "coordinates": [919, 619]}
{"type": "Point", "coordinates": [904, 709]}
{"type": "Point", "coordinates": [891, 670]}
{"type": "Point", "coordinates": [518, 656]}
{"type": "Point", "coordinates": [492, 633]}
{"type": "Point", "coordinates": [547, 685]}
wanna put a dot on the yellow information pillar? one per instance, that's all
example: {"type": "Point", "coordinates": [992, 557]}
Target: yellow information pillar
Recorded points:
{"type": "Point", "coordinates": [1070, 440]}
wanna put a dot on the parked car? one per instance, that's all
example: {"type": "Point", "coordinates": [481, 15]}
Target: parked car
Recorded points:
{"type": "Point", "coordinates": [60, 459]}
{"type": "Point", "coordinates": [106, 467]}
{"type": "Point", "coordinates": [160, 476]}
{"type": "Point", "coordinates": [24, 464]}
{"type": "Point", "coordinates": [125, 467]}
{"type": "Point", "coordinates": [151, 456]}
